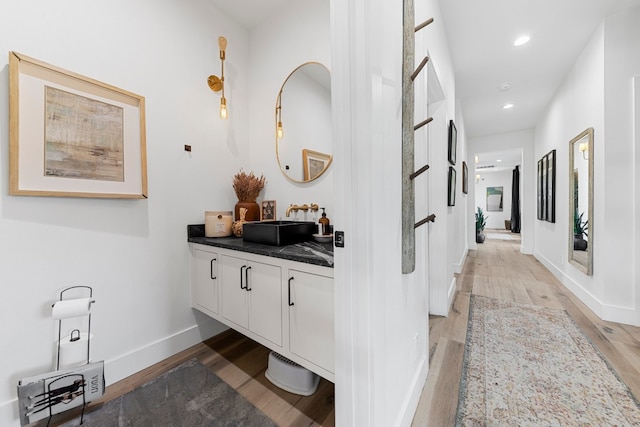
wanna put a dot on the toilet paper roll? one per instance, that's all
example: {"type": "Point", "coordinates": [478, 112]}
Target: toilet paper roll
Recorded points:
{"type": "Point", "coordinates": [74, 353]}
{"type": "Point", "coordinates": [71, 308]}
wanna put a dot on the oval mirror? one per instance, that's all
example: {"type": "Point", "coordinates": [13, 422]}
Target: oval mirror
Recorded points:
{"type": "Point", "coordinates": [303, 123]}
{"type": "Point", "coordinates": [581, 201]}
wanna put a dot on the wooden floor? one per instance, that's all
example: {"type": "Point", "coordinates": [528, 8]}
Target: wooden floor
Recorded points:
{"type": "Point", "coordinates": [497, 269]}
{"type": "Point", "coordinates": [241, 363]}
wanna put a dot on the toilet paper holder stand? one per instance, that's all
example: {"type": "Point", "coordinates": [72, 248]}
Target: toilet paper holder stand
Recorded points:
{"type": "Point", "coordinates": [89, 290]}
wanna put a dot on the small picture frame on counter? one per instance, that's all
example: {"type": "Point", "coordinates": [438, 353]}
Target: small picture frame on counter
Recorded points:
{"type": "Point", "coordinates": [268, 211]}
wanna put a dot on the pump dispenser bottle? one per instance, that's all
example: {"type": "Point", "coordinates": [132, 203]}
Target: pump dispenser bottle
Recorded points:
{"type": "Point", "coordinates": [324, 223]}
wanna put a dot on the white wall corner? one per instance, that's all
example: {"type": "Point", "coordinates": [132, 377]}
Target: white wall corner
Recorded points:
{"type": "Point", "coordinates": [457, 267]}
{"type": "Point", "coordinates": [625, 315]}
{"type": "Point", "coordinates": [412, 398]}
{"type": "Point", "coordinates": [128, 364]}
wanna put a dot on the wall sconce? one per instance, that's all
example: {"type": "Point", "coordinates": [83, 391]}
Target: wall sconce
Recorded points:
{"type": "Point", "coordinates": [217, 83]}
{"type": "Point", "coordinates": [279, 131]}
{"type": "Point", "coordinates": [583, 147]}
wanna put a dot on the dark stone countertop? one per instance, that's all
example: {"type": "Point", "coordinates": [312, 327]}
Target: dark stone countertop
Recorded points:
{"type": "Point", "coordinates": [307, 252]}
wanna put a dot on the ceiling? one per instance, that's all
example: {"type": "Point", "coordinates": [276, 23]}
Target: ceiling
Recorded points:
{"type": "Point", "coordinates": [480, 36]}
{"type": "Point", "coordinates": [249, 13]}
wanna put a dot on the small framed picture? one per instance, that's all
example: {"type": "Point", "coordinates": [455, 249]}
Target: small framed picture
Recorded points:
{"type": "Point", "coordinates": [451, 200]}
{"type": "Point", "coordinates": [453, 142]}
{"type": "Point", "coordinates": [314, 163]}
{"type": "Point", "coordinates": [465, 178]}
{"type": "Point", "coordinates": [268, 212]}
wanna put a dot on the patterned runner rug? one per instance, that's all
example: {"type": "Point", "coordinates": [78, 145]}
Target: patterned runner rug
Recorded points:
{"type": "Point", "coordinates": [188, 395]}
{"type": "Point", "coordinates": [532, 366]}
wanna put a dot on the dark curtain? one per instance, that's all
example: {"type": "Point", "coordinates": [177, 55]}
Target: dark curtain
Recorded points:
{"type": "Point", "coordinates": [515, 201]}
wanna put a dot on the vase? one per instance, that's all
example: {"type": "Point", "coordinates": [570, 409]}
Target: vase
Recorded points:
{"type": "Point", "coordinates": [579, 244]}
{"type": "Point", "coordinates": [253, 211]}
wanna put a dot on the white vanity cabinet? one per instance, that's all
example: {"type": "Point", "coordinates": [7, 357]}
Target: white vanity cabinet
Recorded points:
{"type": "Point", "coordinates": [204, 279]}
{"type": "Point", "coordinates": [284, 305]}
{"type": "Point", "coordinates": [252, 296]}
{"type": "Point", "coordinates": [311, 326]}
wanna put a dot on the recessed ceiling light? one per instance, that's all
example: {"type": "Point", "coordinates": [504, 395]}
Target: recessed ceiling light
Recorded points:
{"type": "Point", "coordinates": [498, 160]}
{"type": "Point", "coordinates": [505, 86]}
{"type": "Point", "coordinates": [507, 106]}
{"type": "Point", "coordinates": [521, 40]}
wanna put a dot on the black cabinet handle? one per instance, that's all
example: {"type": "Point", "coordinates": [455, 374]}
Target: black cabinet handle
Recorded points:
{"type": "Point", "coordinates": [211, 269]}
{"type": "Point", "coordinates": [289, 290]}
{"type": "Point", "coordinates": [242, 268]}
{"type": "Point", "coordinates": [246, 279]}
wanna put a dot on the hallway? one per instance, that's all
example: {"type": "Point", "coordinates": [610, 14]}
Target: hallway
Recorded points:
{"type": "Point", "coordinates": [498, 270]}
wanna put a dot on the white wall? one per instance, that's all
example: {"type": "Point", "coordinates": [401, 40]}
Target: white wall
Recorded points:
{"type": "Point", "coordinates": [616, 255]}
{"type": "Point", "coordinates": [598, 93]}
{"type": "Point", "coordinates": [461, 246]}
{"type": "Point", "coordinates": [381, 314]}
{"type": "Point", "coordinates": [133, 252]}
{"type": "Point", "coordinates": [299, 33]}
{"type": "Point", "coordinates": [495, 179]}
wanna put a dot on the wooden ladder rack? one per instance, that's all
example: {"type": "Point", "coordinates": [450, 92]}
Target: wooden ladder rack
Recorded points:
{"type": "Point", "coordinates": [409, 74]}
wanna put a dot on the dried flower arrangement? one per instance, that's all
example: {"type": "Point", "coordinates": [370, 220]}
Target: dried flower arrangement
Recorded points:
{"type": "Point", "coordinates": [247, 186]}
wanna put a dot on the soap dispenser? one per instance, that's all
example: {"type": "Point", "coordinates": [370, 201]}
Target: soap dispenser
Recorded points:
{"type": "Point", "coordinates": [324, 223]}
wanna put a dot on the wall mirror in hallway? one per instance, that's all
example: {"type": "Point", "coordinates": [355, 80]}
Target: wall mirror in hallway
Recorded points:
{"type": "Point", "coordinates": [303, 123]}
{"type": "Point", "coordinates": [581, 201]}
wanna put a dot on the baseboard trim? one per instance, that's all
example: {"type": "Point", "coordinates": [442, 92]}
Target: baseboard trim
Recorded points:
{"type": "Point", "coordinates": [611, 313]}
{"type": "Point", "coordinates": [457, 268]}
{"type": "Point", "coordinates": [140, 358]}
{"type": "Point", "coordinates": [9, 413]}
{"type": "Point", "coordinates": [582, 294]}
{"type": "Point", "coordinates": [412, 399]}
{"type": "Point", "coordinates": [451, 294]}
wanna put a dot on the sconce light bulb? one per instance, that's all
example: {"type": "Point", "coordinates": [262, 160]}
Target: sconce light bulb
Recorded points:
{"type": "Point", "coordinates": [280, 131]}
{"type": "Point", "coordinates": [223, 108]}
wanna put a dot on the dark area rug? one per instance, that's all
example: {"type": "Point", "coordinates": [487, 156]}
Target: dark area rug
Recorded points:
{"type": "Point", "coordinates": [188, 395]}
{"type": "Point", "coordinates": [532, 366]}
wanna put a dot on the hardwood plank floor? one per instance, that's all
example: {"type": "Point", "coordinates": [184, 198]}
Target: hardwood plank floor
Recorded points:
{"type": "Point", "coordinates": [498, 270]}
{"type": "Point", "coordinates": [241, 363]}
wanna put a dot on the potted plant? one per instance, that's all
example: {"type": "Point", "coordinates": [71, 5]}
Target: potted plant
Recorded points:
{"type": "Point", "coordinates": [580, 228]}
{"type": "Point", "coordinates": [481, 222]}
{"type": "Point", "coordinates": [247, 187]}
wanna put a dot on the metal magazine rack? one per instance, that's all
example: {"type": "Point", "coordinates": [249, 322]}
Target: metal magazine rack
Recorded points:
{"type": "Point", "coordinates": [45, 395]}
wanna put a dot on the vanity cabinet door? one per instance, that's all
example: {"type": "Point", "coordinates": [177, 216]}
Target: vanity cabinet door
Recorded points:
{"type": "Point", "coordinates": [252, 296]}
{"type": "Point", "coordinates": [265, 301]}
{"type": "Point", "coordinates": [204, 280]}
{"type": "Point", "coordinates": [311, 325]}
{"type": "Point", "coordinates": [234, 296]}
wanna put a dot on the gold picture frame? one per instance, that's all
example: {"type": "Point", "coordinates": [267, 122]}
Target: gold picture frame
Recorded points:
{"type": "Point", "coordinates": [314, 163]}
{"type": "Point", "coordinates": [268, 211]}
{"type": "Point", "coordinates": [73, 136]}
